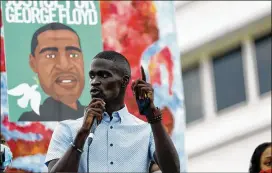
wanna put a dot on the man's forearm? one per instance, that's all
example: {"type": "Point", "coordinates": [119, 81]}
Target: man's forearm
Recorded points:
{"type": "Point", "coordinates": [165, 150]}
{"type": "Point", "coordinates": [69, 162]}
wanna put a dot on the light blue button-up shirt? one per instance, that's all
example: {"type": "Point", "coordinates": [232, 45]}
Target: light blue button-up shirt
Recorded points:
{"type": "Point", "coordinates": [123, 144]}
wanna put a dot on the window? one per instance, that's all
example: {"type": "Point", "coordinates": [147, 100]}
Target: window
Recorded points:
{"type": "Point", "coordinates": [263, 58]}
{"type": "Point", "coordinates": [229, 79]}
{"type": "Point", "coordinates": [192, 94]}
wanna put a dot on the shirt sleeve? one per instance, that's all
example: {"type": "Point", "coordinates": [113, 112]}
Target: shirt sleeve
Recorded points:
{"type": "Point", "coordinates": [151, 147]}
{"type": "Point", "coordinates": [60, 142]}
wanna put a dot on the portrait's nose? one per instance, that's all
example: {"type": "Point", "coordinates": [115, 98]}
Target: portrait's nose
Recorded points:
{"type": "Point", "coordinates": [64, 62]}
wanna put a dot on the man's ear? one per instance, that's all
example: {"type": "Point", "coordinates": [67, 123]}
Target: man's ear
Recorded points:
{"type": "Point", "coordinates": [125, 81]}
{"type": "Point", "coordinates": [32, 63]}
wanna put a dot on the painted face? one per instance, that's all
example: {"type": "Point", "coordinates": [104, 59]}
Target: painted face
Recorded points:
{"type": "Point", "coordinates": [105, 80]}
{"type": "Point", "coordinates": [58, 61]}
{"type": "Point", "coordinates": [266, 159]}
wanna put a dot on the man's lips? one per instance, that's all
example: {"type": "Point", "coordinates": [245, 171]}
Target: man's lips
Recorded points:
{"type": "Point", "coordinates": [95, 91]}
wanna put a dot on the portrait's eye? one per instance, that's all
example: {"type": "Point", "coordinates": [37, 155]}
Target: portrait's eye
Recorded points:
{"type": "Point", "coordinates": [73, 55]}
{"type": "Point", "coordinates": [50, 56]}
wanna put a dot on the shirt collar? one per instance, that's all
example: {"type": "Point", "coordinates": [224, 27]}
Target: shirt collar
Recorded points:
{"type": "Point", "coordinates": [119, 116]}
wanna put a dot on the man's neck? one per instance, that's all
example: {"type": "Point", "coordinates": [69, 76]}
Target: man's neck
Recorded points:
{"type": "Point", "coordinates": [110, 108]}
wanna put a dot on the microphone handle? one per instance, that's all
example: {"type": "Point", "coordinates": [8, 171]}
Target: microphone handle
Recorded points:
{"type": "Point", "coordinates": [90, 139]}
{"type": "Point", "coordinates": [94, 125]}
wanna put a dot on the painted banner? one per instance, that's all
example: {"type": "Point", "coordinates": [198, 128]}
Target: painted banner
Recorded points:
{"type": "Point", "coordinates": [143, 31]}
{"type": "Point", "coordinates": [39, 38]}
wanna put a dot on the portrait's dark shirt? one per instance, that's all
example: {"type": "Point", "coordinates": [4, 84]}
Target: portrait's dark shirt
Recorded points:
{"type": "Point", "coordinates": [52, 110]}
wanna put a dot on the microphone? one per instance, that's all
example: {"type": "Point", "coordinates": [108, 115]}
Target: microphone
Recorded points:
{"type": "Point", "coordinates": [90, 139]}
{"type": "Point", "coordinates": [93, 128]}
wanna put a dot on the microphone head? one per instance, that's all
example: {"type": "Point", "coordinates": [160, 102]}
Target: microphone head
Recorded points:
{"type": "Point", "coordinates": [91, 135]}
{"type": "Point", "coordinates": [94, 126]}
{"type": "Point", "coordinates": [90, 140]}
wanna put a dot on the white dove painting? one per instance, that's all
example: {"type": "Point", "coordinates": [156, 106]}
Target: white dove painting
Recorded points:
{"type": "Point", "coordinates": [28, 94]}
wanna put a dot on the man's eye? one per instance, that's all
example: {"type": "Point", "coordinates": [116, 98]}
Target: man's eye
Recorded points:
{"type": "Point", "coordinates": [50, 56]}
{"type": "Point", "coordinates": [91, 76]}
{"type": "Point", "coordinates": [105, 75]}
{"type": "Point", "coordinates": [73, 55]}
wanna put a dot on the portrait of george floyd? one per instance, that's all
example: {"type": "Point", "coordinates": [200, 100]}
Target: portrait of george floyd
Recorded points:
{"type": "Point", "coordinates": [46, 59]}
{"type": "Point", "coordinates": [57, 59]}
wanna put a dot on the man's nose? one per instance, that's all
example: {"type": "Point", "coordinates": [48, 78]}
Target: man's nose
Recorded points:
{"type": "Point", "coordinates": [64, 62]}
{"type": "Point", "coordinates": [95, 82]}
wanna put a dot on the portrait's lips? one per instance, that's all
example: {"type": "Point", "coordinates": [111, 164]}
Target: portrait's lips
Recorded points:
{"type": "Point", "coordinates": [66, 81]}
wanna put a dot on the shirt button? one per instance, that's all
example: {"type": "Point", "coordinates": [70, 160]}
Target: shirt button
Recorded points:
{"type": "Point", "coordinates": [111, 145]}
{"type": "Point", "coordinates": [111, 127]}
{"type": "Point", "coordinates": [111, 163]}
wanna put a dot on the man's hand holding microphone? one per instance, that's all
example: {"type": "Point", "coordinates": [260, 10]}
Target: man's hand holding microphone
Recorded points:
{"type": "Point", "coordinates": [93, 111]}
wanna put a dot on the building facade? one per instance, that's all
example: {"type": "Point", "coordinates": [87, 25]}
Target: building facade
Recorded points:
{"type": "Point", "coordinates": [226, 66]}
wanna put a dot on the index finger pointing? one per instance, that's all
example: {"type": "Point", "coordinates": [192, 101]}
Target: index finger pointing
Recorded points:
{"type": "Point", "coordinates": [143, 74]}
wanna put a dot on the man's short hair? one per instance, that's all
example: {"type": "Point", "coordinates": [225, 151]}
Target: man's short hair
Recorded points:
{"type": "Point", "coordinates": [119, 59]}
{"type": "Point", "coordinates": [47, 27]}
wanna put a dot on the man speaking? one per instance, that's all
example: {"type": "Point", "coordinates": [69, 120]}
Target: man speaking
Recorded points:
{"type": "Point", "coordinates": [121, 142]}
